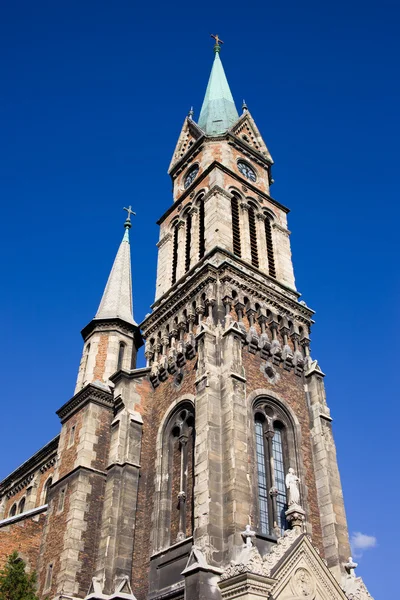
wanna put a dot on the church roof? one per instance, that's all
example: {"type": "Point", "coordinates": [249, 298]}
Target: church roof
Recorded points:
{"type": "Point", "coordinates": [117, 297]}
{"type": "Point", "coordinates": [218, 112]}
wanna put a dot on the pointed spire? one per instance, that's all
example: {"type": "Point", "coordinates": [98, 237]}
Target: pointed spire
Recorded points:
{"type": "Point", "coordinates": [218, 112]}
{"type": "Point", "coordinates": [117, 297]}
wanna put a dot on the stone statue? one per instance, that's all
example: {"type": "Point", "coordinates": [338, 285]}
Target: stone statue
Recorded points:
{"type": "Point", "coordinates": [248, 536]}
{"type": "Point", "coordinates": [292, 485]}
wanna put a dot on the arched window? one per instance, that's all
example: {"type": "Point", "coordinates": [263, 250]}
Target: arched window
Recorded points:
{"type": "Point", "coordinates": [235, 225]}
{"type": "Point", "coordinates": [13, 511]}
{"type": "Point", "coordinates": [47, 487]}
{"type": "Point", "coordinates": [121, 353]}
{"type": "Point", "coordinates": [253, 236]}
{"type": "Point", "coordinates": [174, 502]}
{"type": "Point", "coordinates": [202, 239]}
{"type": "Point", "coordinates": [272, 455]}
{"type": "Point", "coordinates": [188, 241]}
{"type": "Point", "coordinates": [270, 248]}
{"type": "Point", "coordinates": [175, 254]}
{"type": "Point", "coordinates": [21, 506]}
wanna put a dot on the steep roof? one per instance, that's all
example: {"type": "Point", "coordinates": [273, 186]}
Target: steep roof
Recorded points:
{"type": "Point", "coordinates": [218, 112]}
{"type": "Point", "coordinates": [117, 296]}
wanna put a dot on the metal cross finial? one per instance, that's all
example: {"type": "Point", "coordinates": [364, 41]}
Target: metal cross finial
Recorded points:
{"type": "Point", "coordinates": [217, 39]}
{"type": "Point", "coordinates": [130, 212]}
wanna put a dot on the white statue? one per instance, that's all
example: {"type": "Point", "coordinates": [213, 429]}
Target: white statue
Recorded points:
{"type": "Point", "coordinates": [292, 485]}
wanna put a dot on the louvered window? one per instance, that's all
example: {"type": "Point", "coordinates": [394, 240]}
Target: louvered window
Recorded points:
{"type": "Point", "coordinates": [253, 237]}
{"type": "Point", "coordinates": [270, 248]}
{"type": "Point", "coordinates": [235, 226]}
{"type": "Point", "coordinates": [188, 242]}
{"type": "Point", "coordinates": [175, 254]}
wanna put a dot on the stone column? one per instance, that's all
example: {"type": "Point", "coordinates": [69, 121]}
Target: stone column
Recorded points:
{"type": "Point", "coordinates": [335, 535]}
{"type": "Point", "coordinates": [208, 499]}
{"type": "Point", "coordinates": [236, 486]}
{"type": "Point", "coordinates": [283, 255]}
{"type": "Point", "coordinates": [164, 269]}
{"type": "Point", "coordinates": [114, 558]}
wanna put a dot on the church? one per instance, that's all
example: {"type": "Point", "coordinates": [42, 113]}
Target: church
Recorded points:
{"type": "Point", "coordinates": [210, 473]}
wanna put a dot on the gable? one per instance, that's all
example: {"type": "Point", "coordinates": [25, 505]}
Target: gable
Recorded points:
{"type": "Point", "coordinates": [246, 130]}
{"type": "Point", "coordinates": [302, 573]}
{"type": "Point", "coordinates": [190, 133]}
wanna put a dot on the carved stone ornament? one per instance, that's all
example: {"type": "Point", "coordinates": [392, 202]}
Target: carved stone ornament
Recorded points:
{"type": "Point", "coordinates": [303, 583]}
{"type": "Point", "coordinates": [250, 561]}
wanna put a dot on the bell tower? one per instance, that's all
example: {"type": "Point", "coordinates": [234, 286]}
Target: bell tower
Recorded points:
{"type": "Point", "coordinates": [229, 336]}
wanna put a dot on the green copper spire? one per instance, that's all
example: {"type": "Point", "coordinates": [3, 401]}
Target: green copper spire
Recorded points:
{"type": "Point", "coordinates": [218, 112]}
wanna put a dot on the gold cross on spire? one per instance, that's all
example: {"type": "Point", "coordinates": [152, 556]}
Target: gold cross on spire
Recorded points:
{"type": "Point", "coordinates": [130, 212]}
{"type": "Point", "coordinates": [217, 39]}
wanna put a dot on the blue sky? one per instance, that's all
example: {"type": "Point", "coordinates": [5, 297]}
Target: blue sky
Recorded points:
{"type": "Point", "coordinates": [93, 95]}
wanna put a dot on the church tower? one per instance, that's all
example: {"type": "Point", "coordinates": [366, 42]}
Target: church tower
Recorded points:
{"type": "Point", "coordinates": [211, 472]}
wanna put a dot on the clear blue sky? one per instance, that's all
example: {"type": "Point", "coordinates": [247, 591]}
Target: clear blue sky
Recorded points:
{"type": "Point", "coordinates": [93, 95]}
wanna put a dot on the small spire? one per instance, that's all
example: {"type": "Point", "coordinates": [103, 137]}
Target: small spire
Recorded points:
{"type": "Point", "coordinates": [191, 113]}
{"type": "Point", "coordinates": [244, 106]}
{"type": "Point", "coordinates": [117, 297]}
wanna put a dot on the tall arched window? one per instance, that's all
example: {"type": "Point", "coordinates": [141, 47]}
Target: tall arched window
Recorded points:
{"type": "Point", "coordinates": [13, 511]}
{"type": "Point", "coordinates": [121, 353]}
{"type": "Point", "coordinates": [253, 236]}
{"type": "Point", "coordinates": [188, 241]}
{"type": "Point", "coordinates": [174, 500]}
{"type": "Point", "coordinates": [235, 225]}
{"type": "Point", "coordinates": [47, 487]}
{"type": "Point", "coordinates": [21, 506]}
{"type": "Point", "coordinates": [175, 254]}
{"type": "Point", "coordinates": [272, 454]}
{"type": "Point", "coordinates": [202, 238]}
{"type": "Point", "coordinates": [270, 247]}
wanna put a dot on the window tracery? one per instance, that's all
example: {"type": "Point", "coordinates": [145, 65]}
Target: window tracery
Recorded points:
{"type": "Point", "coordinates": [273, 438]}
{"type": "Point", "coordinates": [174, 498]}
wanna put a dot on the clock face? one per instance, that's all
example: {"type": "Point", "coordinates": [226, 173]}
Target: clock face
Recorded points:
{"type": "Point", "coordinates": [191, 176]}
{"type": "Point", "coordinates": [246, 170]}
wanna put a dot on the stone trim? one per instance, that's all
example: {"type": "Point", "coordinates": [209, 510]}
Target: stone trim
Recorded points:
{"type": "Point", "coordinates": [90, 393]}
{"type": "Point", "coordinates": [40, 460]}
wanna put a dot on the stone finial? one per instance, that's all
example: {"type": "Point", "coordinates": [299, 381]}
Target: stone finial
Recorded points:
{"type": "Point", "coordinates": [248, 534]}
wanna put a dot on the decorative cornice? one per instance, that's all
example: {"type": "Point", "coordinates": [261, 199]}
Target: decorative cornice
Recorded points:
{"type": "Point", "coordinates": [215, 164]}
{"type": "Point", "coordinates": [225, 269]}
{"type": "Point", "coordinates": [90, 393]}
{"type": "Point", "coordinates": [39, 460]}
{"type": "Point", "coordinates": [114, 324]}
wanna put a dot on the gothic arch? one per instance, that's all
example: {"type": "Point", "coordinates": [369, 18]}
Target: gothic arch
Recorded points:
{"type": "Point", "coordinates": [163, 501]}
{"type": "Point", "coordinates": [291, 440]}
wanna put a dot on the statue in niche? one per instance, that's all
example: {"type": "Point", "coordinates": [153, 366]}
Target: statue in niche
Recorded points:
{"type": "Point", "coordinates": [292, 485]}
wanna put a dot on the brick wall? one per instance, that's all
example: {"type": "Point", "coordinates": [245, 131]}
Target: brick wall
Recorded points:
{"type": "Point", "coordinates": [23, 536]}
